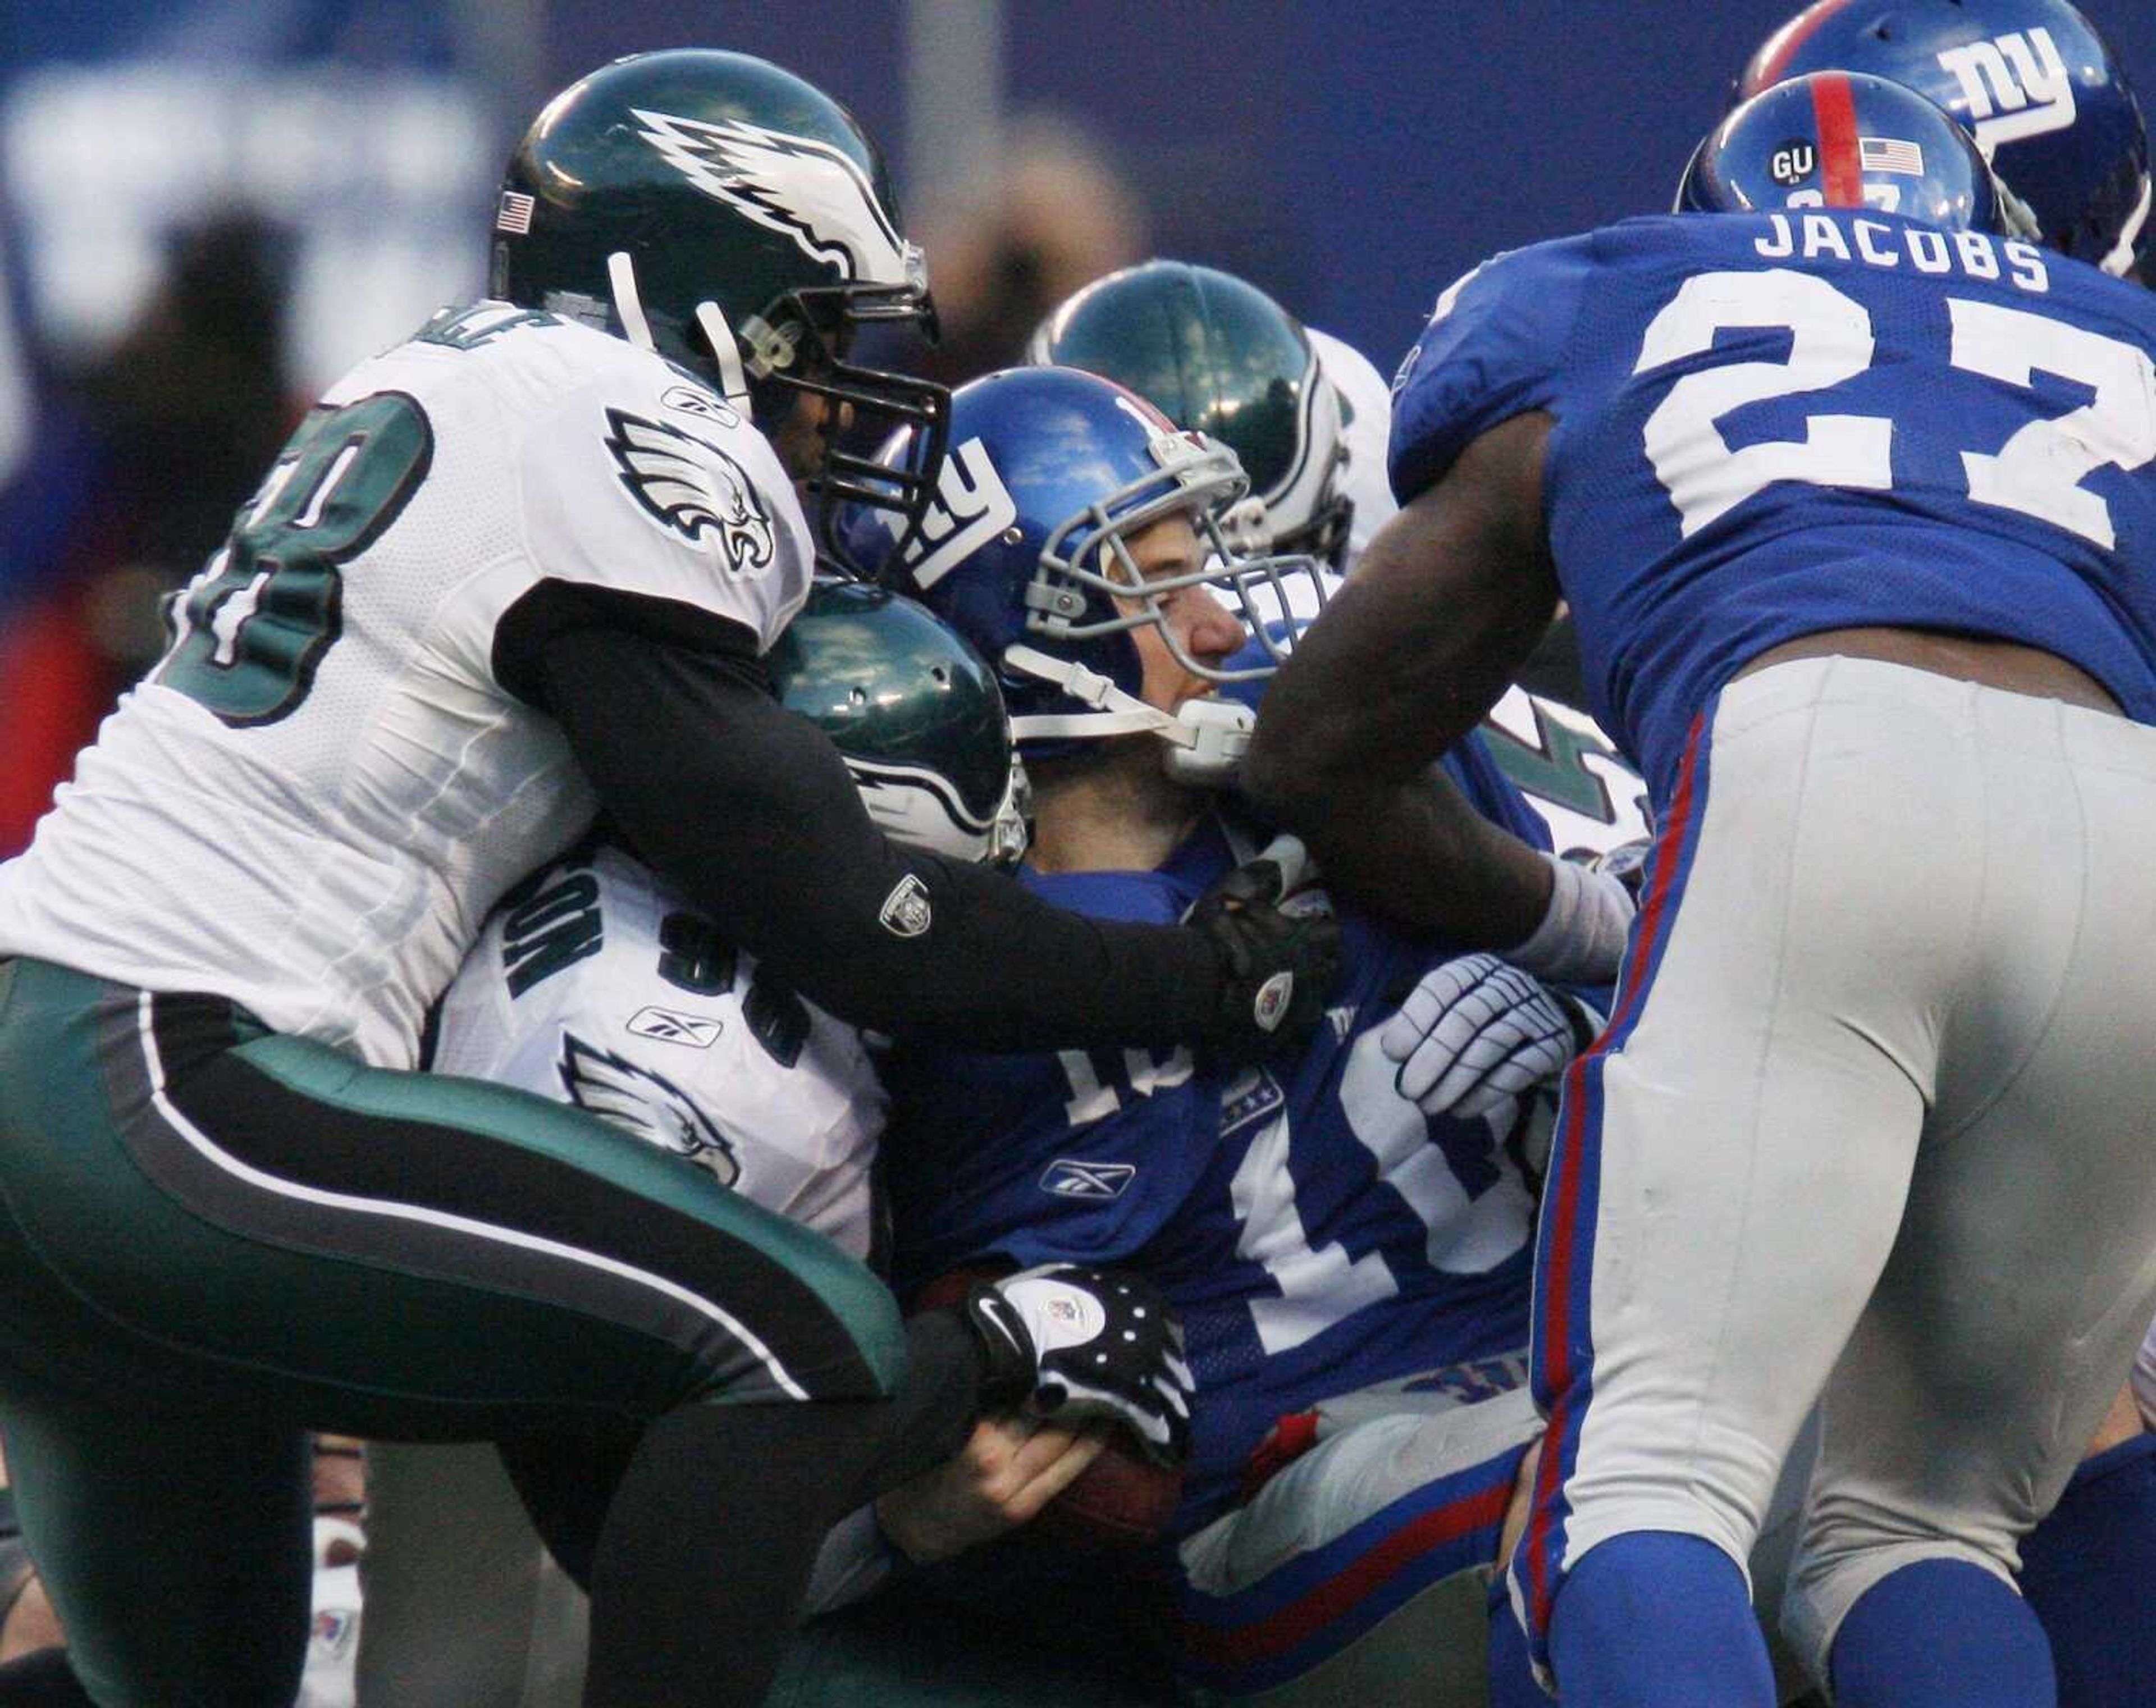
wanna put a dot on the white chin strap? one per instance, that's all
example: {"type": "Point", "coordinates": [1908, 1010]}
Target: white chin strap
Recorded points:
{"type": "Point", "coordinates": [1206, 738]}
{"type": "Point", "coordinates": [636, 327]}
{"type": "Point", "coordinates": [2120, 260]}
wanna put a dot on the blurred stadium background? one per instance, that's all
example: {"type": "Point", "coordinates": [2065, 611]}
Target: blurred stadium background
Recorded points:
{"type": "Point", "coordinates": [210, 207]}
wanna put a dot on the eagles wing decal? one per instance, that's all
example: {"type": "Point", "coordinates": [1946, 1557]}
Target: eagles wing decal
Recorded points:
{"type": "Point", "coordinates": [692, 488]}
{"type": "Point", "coordinates": [805, 190]}
{"type": "Point", "coordinates": [646, 1104]}
{"type": "Point", "coordinates": [884, 788]}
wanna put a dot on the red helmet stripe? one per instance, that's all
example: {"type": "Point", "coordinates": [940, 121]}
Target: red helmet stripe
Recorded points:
{"type": "Point", "coordinates": [1772, 62]}
{"type": "Point", "coordinates": [1841, 166]}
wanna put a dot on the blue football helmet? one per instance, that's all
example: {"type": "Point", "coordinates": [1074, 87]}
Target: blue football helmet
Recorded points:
{"type": "Point", "coordinates": [1051, 473]}
{"type": "Point", "coordinates": [2032, 81]}
{"type": "Point", "coordinates": [1841, 139]}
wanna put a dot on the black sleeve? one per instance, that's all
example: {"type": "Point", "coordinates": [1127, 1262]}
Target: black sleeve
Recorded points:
{"type": "Point", "coordinates": [750, 811]}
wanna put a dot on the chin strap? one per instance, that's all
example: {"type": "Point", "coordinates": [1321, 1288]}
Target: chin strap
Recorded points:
{"type": "Point", "coordinates": [1206, 738]}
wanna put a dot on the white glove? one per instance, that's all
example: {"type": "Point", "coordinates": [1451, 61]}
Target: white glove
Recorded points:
{"type": "Point", "coordinates": [1474, 1032]}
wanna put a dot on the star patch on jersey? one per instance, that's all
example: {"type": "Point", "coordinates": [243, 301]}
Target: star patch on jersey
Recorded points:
{"type": "Point", "coordinates": [646, 1104]}
{"type": "Point", "coordinates": [690, 487]}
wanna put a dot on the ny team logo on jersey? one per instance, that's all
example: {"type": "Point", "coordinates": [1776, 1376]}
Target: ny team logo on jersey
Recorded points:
{"type": "Point", "coordinates": [646, 1104]}
{"type": "Point", "coordinates": [804, 190]}
{"type": "Point", "coordinates": [2014, 85]}
{"type": "Point", "coordinates": [690, 487]}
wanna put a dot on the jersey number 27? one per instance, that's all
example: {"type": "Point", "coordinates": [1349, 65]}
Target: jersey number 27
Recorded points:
{"type": "Point", "coordinates": [2037, 472]}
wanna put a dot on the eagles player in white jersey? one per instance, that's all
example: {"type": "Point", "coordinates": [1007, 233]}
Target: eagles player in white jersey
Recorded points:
{"type": "Point", "coordinates": [593, 983]}
{"type": "Point", "coordinates": [521, 568]}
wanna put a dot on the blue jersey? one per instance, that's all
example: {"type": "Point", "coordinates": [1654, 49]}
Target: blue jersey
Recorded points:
{"type": "Point", "coordinates": [1316, 1232]}
{"type": "Point", "coordinates": [1767, 425]}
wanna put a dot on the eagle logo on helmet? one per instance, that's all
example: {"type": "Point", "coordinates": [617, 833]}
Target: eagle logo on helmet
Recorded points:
{"type": "Point", "coordinates": [804, 190]}
{"type": "Point", "coordinates": [691, 487]}
{"type": "Point", "coordinates": [645, 1104]}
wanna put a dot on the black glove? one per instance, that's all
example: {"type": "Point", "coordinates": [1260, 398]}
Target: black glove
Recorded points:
{"type": "Point", "coordinates": [1277, 964]}
{"type": "Point", "coordinates": [1072, 1343]}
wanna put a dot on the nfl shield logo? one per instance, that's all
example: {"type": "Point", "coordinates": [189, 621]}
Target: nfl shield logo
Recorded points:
{"type": "Point", "coordinates": [905, 911]}
{"type": "Point", "coordinates": [1274, 996]}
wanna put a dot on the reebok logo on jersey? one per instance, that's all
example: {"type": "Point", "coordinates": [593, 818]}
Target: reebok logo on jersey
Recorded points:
{"type": "Point", "coordinates": [1072, 1178]}
{"type": "Point", "coordinates": [668, 1026]}
{"type": "Point", "coordinates": [905, 911]}
{"type": "Point", "coordinates": [691, 400]}
{"type": "Point", "coordinates": [1342, 1020]}
{"type": "Point", "coordinates": [690, 487]}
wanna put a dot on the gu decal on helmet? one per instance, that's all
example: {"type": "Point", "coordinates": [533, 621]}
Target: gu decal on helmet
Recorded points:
{"type": "Point", "coordinates": [646, 1104]}
{"type": "Point", "coordinates": [907, 910]}
{"type": "Point", "coordinates": [972, 505]}
{"type": "Point", "coordinates": [694, 495]}
{"type": "Point", "coordinates": [1794, 162]}
{"type": "Point", "coordinates": [805, 190]}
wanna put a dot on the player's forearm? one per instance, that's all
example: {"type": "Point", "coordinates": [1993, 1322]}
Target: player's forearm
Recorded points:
{"type": "Point", "coordinates": [751, 812]}
{"type": "Point", "coordinates": [1421, 856]}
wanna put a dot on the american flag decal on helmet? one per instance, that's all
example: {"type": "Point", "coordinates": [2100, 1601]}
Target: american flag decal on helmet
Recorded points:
{"type": "Point", "coordinates": [514, 215]}
{"type": "Point", "coordinates": [1889, 154]}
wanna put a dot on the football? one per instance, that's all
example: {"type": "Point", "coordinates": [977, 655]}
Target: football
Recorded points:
{"type": "Point", "coordinates": [1123, 1500]}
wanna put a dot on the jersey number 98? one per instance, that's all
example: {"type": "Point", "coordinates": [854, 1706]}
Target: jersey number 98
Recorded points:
{"type": "Point", "coordinates": [253, 627]}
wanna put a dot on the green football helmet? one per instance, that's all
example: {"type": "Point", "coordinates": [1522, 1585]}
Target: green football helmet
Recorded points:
{"type": "Point", "coordinates": [915, 712]}
{"type": "Point", "coordinates": [738, 220]}
{"type": "Point", "coordinates": [1219, 357]}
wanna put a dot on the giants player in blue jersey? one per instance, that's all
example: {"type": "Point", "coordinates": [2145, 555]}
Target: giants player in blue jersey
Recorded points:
{"type": "Point", "coordinates": [1345, 1238]}
{"type": "Point", "coordinates": [1856, 513]}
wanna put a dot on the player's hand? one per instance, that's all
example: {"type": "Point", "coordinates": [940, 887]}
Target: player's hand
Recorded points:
{"type": "Point", "coordinates": [1077, 1344]}
{"type": "Point", "coordinates": [1008, 1469]}
{"type": "Point", "coordinates": [1279, 952]}
{"type": "Point", "coordinates": [1474, 1032]}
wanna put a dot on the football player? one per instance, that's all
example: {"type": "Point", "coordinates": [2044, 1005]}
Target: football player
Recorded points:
{"type": "Point", "coordinates": [2032, 81]}
{"type": "Point", "coordinates": [1345, 1236]}
{"type": "Point", "coordinates": [594, 982]}
{"type": "Point", "coordinates": [522, 568]}
{"type": "Point", "coordinates": [1862, 1129]}
{"type": "Point", "coordinates": [1308, 419]}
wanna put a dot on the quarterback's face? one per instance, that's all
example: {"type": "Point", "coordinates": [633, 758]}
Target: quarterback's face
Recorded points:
{"type": "Point", "coordinates": [1204, 627]}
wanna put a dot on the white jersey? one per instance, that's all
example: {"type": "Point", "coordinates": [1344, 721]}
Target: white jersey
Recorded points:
{"type": "Point", "coordinates": [314, 800]}
{"type": "Point", "coordinates": [1366, 414]}
{"type": "Point", "coordinates": [595, 984]}
{"type": "Point", "coordinates": [1569, 771]}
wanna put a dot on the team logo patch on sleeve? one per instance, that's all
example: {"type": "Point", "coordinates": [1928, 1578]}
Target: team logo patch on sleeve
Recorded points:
{"type": "Point", "coordinates": [690, 487]}
{"type": "Point", "coordinates": [905, 911]}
